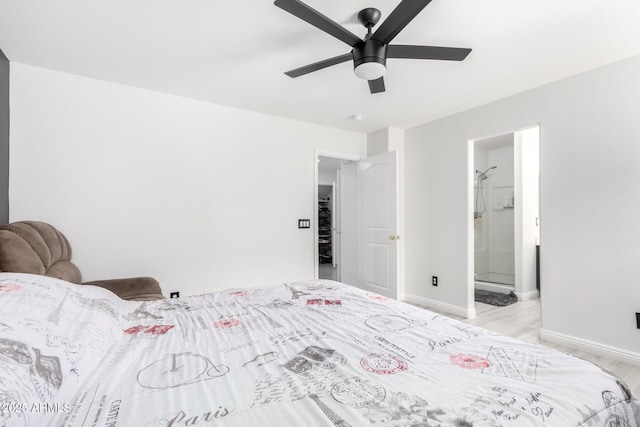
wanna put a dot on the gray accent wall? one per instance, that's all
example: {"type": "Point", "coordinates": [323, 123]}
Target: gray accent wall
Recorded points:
{"type": "Point", "coordinates": [4, 138]}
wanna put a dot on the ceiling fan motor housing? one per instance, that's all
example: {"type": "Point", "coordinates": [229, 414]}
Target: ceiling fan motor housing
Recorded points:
{"type": "Point", "coordinates": [369, 51]}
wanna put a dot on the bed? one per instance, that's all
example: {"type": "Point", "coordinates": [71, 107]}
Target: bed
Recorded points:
{"type": "Point", "coordinates": [310, 353]}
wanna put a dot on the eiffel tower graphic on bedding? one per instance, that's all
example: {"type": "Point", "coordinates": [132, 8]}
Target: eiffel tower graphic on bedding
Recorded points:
{"type": "Point", "coordinates": [335, 418]}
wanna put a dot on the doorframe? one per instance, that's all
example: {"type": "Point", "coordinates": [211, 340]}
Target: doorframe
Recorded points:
{"type": "Point", "coordinates": [319, 152]}
{"type": "Point", "coordinates": [471, 206]}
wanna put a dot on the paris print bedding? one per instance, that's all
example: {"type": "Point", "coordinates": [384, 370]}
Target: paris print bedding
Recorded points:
{"type": "Point", "coordinates": [314, 353]}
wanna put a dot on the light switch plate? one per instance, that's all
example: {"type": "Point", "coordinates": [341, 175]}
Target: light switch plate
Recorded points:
{"type": "Point", "coordinates": [304, 223]}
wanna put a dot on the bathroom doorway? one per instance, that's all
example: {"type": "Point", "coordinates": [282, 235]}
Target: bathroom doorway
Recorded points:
{"type": "Point", "coordinates": [506, 213]}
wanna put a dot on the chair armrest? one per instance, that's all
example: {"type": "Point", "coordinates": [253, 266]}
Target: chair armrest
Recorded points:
{"type": "Point", "coordinates": [135, 288]}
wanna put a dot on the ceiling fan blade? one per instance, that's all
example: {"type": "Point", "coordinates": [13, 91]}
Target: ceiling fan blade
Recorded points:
{"type": "Point", "coordinates": [319, 65]}
{"type": "Point", "coordinates": [318, 20]}
{"type": "Point", "coordinates": [399, 18]}
{"type": "Point", "coordinates": [427, 52]}
{"type": "Point", "coordinates": [377, 85]}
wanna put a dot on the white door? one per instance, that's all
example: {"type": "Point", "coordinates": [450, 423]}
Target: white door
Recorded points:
{"type": "Point", "coordinates": [335, 228]}
{"type": "Point", "coordinates": [348, 227]}
{"type": "Point", "coordinates": [378, 261]}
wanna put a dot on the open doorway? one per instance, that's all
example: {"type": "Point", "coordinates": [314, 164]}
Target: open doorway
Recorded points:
{"type": "Point", "coordinates": [328, 243]}
{"type": "Point", "coordinates": [493, 214]}
{"type": "Point", "coordinates": [335, 219]}
{"type": "Point", "coordinates": [506, 213]}
{"type": "Point", "coordinates": [364, 236]}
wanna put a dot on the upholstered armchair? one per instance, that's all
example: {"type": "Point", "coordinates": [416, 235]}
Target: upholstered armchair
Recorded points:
{"type": "Point", "coordinates": [38, 248]}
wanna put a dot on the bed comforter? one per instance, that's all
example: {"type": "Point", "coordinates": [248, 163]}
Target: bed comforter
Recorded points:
{"type": "Point", "coordinates": [313, 353]}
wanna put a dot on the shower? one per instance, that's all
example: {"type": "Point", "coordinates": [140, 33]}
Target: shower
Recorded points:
{"type": "Point", "coordinates": [480, 205]}
{"type": "Point", "coordinates": [501, 191]}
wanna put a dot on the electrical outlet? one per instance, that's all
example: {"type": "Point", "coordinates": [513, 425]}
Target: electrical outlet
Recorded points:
{"type": "Point", "coordinates": [175, 294]}
{"type": "Point", "coordinates": [638, 320]}
{"type": "Point", "coordinates": [434, 280]}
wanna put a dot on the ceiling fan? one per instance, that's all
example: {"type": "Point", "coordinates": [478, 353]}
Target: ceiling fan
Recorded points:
{"type": "Point", "coordinates": [370, 54]}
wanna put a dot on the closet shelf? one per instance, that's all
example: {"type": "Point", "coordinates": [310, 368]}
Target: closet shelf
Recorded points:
{"type": "Point", "coordinates": [324, 231]}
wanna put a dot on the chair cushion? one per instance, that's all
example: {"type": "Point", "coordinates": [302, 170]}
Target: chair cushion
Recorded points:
{"type": "Point", "coordinates": [37, 248]}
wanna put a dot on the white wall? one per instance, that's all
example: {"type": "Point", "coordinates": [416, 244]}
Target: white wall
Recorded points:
{"type": "Point", "coordinates": [198, 195]}
{"type": "Point", "coordinates": [590, 199]}
{"type": "Point", "coordinates": [378, 142]}
{"type": "Point", "coordinates": [494, 232]}
{"type": "Point", "coordinates": [500, 215]}
{"type": "Point", "coordinates": [327, 176]}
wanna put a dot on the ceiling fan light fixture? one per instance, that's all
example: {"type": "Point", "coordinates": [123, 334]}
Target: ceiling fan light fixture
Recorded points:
{"type": "Point", "coordinates": [370, 70]}
{"type": "Point", "coordinates": [370, 59]}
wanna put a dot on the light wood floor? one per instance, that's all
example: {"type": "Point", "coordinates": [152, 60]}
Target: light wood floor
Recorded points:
{"type": "Point", "coordinates": [522, 320]}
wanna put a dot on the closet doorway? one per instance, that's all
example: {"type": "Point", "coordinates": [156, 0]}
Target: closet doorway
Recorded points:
{"type": "Point", "coordinates": [328, 243]}
{"type": "Point", "coordinates": [335, 248]}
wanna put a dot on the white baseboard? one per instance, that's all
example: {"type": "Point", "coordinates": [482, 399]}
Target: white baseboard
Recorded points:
{"type": "Point", "coordinates": [493, 287]}
{"type": "Point", "coordinates": [605, 350]}
{"type": "Point", "coordinates": [468, 313]}
{"type": "Point", "coordinates": [505, 289]}
{"type": "Point", "coordinates": [524, 296]}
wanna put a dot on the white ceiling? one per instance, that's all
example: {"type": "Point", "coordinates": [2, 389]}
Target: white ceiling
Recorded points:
{"type": "Point", "coordinates": [235, 52]}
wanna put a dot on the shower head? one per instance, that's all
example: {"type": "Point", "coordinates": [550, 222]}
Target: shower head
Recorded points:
{"type": "Point", "coordinates": [482, 175]}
